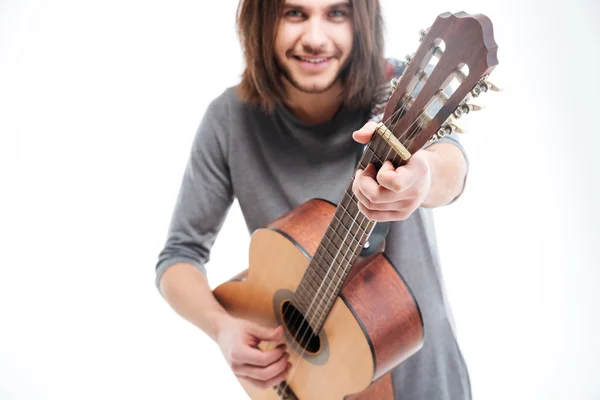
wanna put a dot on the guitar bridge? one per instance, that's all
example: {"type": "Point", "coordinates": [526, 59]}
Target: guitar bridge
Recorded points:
{"type": "Point", "coordinates": [284, 391]}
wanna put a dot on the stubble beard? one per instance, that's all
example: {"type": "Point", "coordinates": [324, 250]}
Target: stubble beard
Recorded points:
{"type": "Point", "coordinates": [314, 88]}
{"type": "Point", "coordinates": [311, 89]}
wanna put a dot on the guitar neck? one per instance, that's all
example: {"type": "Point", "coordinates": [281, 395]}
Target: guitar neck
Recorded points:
{"type": "Point", "coordinates": [341, 245]}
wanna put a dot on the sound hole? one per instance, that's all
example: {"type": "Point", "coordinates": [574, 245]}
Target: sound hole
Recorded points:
{"type": "Point", "coordinates": [299, 328]}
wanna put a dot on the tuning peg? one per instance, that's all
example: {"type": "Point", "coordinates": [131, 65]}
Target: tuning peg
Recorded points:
{"type": "Point", "coordinates": [409, 58]}
{"type": "Point", "coordinates": [479, 88]}
{"type": "Point", "coordinates": [483, 86]}
{"type": "Point", "coordinates": [447, 129]}
{"type": "Point", "coordinates": [492, 87]}
{"type": "Point", "coordinates": [423, 33]}
{"type": "Point", "coordinates": [456, 128]}
{"type": "Point", "coordinates": [465, 108]}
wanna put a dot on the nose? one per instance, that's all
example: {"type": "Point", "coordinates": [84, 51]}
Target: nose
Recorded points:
{"type": "Point", "coordinates": [315, 35]}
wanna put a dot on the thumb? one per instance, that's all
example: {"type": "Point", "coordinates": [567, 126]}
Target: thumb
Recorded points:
{"type": "Point", "coordinates": [266, 334]}
{"type": "Point", "coordinates": [363, 135]}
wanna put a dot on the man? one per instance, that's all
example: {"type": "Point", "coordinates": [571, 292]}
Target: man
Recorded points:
{"type": "Point", "coordinates": [291, 132]}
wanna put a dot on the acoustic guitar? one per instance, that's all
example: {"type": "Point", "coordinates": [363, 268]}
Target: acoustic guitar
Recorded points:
{"type": "Point", "coordinates": [349, 321]}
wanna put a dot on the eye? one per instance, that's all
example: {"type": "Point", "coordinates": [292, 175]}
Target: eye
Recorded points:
{"type": "Point", "coordinates": [294, 14]}
{"type": "Point", "coordinates": [338, 14]}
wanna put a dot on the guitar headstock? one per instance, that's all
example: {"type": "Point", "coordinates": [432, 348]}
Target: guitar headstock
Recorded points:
{"type": "Point", "coordinates": [450, 67]}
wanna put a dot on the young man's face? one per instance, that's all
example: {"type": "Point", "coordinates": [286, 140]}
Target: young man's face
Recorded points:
{"type": "Point", "coordinates": [313, 42]}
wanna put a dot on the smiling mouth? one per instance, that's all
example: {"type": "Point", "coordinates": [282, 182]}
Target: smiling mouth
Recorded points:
{"type": "Point", "coordinates": [312, 60]}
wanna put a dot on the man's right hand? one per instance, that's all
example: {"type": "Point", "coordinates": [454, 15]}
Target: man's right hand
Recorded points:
{"type": "Point", "coordinates": [239, 339]}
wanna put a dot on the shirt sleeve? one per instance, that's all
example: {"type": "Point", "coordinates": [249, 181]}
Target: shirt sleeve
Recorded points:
{"type": "Point", "coordinates": [204, 197]}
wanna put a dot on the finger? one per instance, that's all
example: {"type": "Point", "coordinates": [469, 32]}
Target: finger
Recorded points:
{"type": "Point", "coordinates": [364, 181]}
{"type": "Point", "coordinates": [405, 176]}
{"type": "Point", "coordinates": [379, 205]}
{"type": "Point", "coordinates": [388, 178]}
{"type": "Point", "coordinates": [365, 184]}
{"type": "Point", "coordinates": [244, 354]}
{"type": "Point", "coordinates": [262, 373]}
{"type": "Point", "coordinates": [382, 216]}
{"type": "Point", "coordinates": [269, 383]}
{"type": "Point", "coordinates": [363, 135]}
{"type": "Point", "coordinates": [266, 334]}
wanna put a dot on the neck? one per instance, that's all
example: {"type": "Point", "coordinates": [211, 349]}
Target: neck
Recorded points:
{"type": "Point", "coordinates": [314, 108]}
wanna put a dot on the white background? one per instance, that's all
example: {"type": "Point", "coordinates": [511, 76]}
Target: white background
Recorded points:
{"type": "Point", "coordinates": [99, 102]}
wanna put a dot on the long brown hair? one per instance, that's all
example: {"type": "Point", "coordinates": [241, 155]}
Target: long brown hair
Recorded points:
{"type": "Point", "coordinates": [261, 84]}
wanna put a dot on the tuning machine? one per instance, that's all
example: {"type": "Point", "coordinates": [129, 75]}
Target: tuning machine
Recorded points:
{"type": "Point", "coordinates": [456, 128]}
{"type": "Point", "coordinates": [484, 85]}
{"type": "Point", "coordinates": [465, 108]}
{"type": "Point", "coordinates": [447, 129]}
{"type": "Point", "coordinates": [423, 33]}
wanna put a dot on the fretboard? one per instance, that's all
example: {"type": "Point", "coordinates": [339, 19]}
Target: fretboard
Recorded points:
{"type": "Point", "coordinates": [341, 245]}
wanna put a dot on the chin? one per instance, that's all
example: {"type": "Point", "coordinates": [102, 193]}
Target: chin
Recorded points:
{"type": "Point", "coordinates": [311, 85]}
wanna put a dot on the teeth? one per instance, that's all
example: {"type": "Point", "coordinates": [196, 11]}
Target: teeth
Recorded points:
{"type": "Point", "coordinates": [313, 60]}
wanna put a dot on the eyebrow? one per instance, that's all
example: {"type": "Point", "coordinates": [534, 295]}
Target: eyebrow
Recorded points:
{"type": "Point", "coordinates": [344, 4]}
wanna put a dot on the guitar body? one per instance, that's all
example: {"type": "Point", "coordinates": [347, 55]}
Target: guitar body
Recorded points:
{"type": "Point", "coordinates": [372, 327]}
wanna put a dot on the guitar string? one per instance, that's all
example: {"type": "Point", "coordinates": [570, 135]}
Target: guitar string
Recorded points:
{"type": "Point", "coordinates": [331, 296]}
{"type": "Point", "coordinates": [420, 125]}
{"type": "Point", "coordinates": [351, 200]}
{"type": "Point", "coordinates": [413, 136]}
{"type": "Point", "coordinates": [373, 147]}
{"type": "Point", "coordinates": [316, 296]}
{"type": "Point", "coordinates": [303, 351]}
{"type": "Point", "coordinates": [294, 320]}
{"type": "Point", "coordinates": [349, 231]}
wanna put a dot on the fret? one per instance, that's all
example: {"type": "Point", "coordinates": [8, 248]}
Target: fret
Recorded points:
{"type": "Point", "coordinates": [358, 220]}
{"type": "Point", "coordinates": [346, 221]}
{"type": "Point", "coordinates": [317, 306]}
{"type": "Point", "coordinates": [321, 316]}
{"type": "Point", "coordinates": [333, 272]}
{"type": "Point", "coordinates": [311, 286]}
{"type": "Point", "coordinates": [312, 281]}
{"type": "Point", "coordinates": [301, 299]}
{"type": "Point", "coordinates": [372, 153]}
{"type": "Point", "coordinates": [318, 275]}
{"type": "Point", "coordinates": [336, 247]}
{"type": "Point", "coordinates": [350, 205]}
{"type": "Point", "coordinates": [351, 225]}
{"type": "Point", "coordinates": [333, 236]}
{"type": "Point", "coordinates": [351, 200]}
{"type": "Point", "coordinates": [330, 258]}
{"type": "Point", "coordinates": [316, 282]}
{"type": "Point", "coordinates": [314, 305]}
{"type": "Point", "coordinates": [340, 246]}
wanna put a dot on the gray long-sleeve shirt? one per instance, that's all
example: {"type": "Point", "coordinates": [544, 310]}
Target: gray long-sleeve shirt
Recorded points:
{"type": "Point", "coordinates": [272, 163]}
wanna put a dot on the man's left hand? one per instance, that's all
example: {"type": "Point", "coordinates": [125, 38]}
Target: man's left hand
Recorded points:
{"type": "Point", "coordinates": [391, 194]}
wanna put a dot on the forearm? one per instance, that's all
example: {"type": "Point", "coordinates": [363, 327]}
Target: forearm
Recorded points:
{"type": "Point", "coordinates": [186, 290]}
{"type": "Point", "coordinates": [448, 168]}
